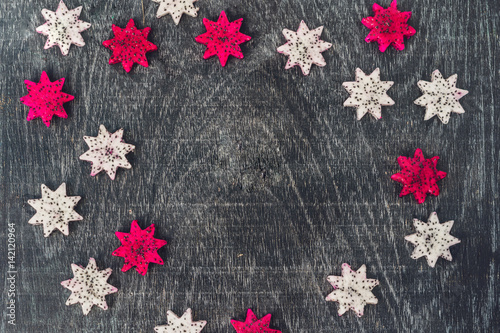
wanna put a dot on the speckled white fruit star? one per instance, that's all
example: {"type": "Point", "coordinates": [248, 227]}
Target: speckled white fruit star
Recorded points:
{"type": "Point", "coordinates": [184, 324]}
{"type": "Point", "coordinates": [54, 210]}
{"type": "Point", "coordinates": [304, 48]}
{"type": "Point", "coordinates": [176, 8]}
{"type": "Point", "coordinates": [63, 27]}
{"type": "Point", "coordinates": [368, 93]}
{"type": "Point", "coordinates": [352, 290]}
{"type": "Point", "coordinates": [89, 286]}
{"type": "Point", "coordinates": [107, 152]}
{"type": "Point", "coordinates": [432, 239]}
{"type": "Point", "coordinates": [440, 97]}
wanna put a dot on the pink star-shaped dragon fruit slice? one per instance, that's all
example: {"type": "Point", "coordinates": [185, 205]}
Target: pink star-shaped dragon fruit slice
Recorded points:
{"type": "Point", "coordinates": [45, 99]}
{"type": "Point", "coordinates": [254, 325]}
{"type": "Point", "coordinates": [418, 176]}
{"type": "Point", "coordinates": [139, 248]}
{"type": "Point", "coordinates": [388, 26]}
{"type": "Point", "coordinates": [223, 38]}
{"type": "Point", "coordinates": [129, 46]}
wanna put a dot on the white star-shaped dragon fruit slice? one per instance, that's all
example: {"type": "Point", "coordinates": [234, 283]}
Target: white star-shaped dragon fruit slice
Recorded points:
{"type": "Point", "coordinates": [352, 290]}
{"type": "Point", "coordinates": [304, 48]}
{"type": "Point", "coordinates": [54, 210]}
{"type": "Point", "coordinates": [440, 97]}
{"type": "Point", "coordinates": [183, 324]}
{"type": "Point", "coordinates": [107, 152]}
{"type": "Point", "coordinates": [432, 239]}
{"type": "Point", "coordinates": [63, 27]}
{"type": "Point", "coordinates": [89, 286]}
{"type": "Point", "coordinates": [176, 8]}
{"type": "Point", "coordinates": [368, 93]}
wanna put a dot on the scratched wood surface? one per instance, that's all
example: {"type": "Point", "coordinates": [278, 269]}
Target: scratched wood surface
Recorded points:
{"type": "Point", "coordinates": [259, 179]}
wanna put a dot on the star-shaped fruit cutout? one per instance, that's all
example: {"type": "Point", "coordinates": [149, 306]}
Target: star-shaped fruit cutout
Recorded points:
{"type": "Point", "coordinates": [107, 152]}
{"type": "Point", "coordinates": [45, 99]}
{"type": "Point", "coordinates": [254, 325]}
{"type": "Point", "coordinates": [176, 8]}
{"type": "Point", "coordinates": [304, 48]}
{"type": "Point", "coordinates": [184, 324]}
{"type": "Point", "coordinates": [63, 27]}
{"type": "Point", "coordinates": [440, 97]}
{"type": "Point", "coordinates": [352, 290]}
{"type": "Point", "coordinates": [54, 210]}
{"type": "Point", "coordinates": [418, 175]}
{"type": "Point", "coordinates": [368, 93]}
{"type": "Point", "coordinates": [223, 38]}
{"type": "Point", "coordinates": [89, 286]}
{"type": "Point", "coordinates": [432, 239]}
{"type": "Point", "coordinates": [139, 248]}
{"type": "Point", "coordinates": [129, 46]}
{"type": "Point", "coordinates": [388, 26]}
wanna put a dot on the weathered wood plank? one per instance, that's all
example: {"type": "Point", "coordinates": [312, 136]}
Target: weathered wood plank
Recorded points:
{"type": "Point", "coordinates": [260, 180]}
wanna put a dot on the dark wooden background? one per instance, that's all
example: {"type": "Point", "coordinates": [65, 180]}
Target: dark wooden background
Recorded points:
{"type": "Point", "coordinates": [259, 179]}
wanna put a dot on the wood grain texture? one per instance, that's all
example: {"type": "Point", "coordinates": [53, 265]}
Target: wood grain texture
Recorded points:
{"type": "Point", "coordinates": [260, 180]}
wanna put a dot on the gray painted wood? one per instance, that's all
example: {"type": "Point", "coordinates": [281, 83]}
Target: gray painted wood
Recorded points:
{"type": "Point", "coordinates": [260, 180]}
